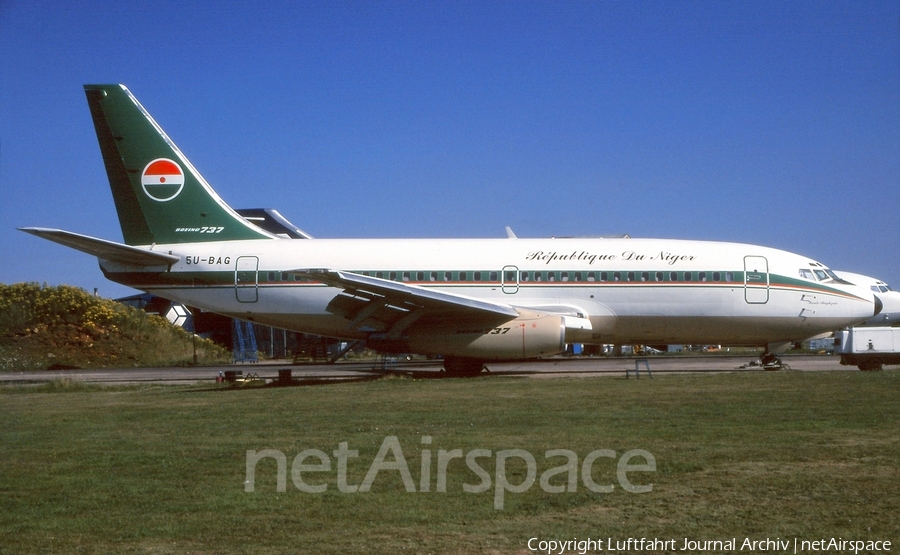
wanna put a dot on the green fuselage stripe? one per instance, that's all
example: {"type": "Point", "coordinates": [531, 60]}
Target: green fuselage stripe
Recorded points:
{"type": "Point", "coordinates": [486, 278]}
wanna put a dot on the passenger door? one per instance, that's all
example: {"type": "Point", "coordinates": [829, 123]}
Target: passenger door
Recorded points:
{"type": "Point", "coordinates": [245, 279]}
{"type": "Point", "coordinates": [756, 279]}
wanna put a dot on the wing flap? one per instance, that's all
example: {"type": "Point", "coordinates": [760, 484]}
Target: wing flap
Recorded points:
{"type": "Point", "coordinates": [383, 306]}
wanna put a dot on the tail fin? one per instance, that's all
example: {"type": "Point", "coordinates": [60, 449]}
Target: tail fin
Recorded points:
{"type": "Point", "coordinates": [160, 197]}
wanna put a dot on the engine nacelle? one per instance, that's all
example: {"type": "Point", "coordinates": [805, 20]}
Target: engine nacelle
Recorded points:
{"type": "Point", "coordinates": [529, 335]}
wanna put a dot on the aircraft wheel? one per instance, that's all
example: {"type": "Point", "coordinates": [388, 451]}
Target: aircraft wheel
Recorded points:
{"type": "Point", "coordinates": [770, 361]}
{"type": "Point", "coordinates": [768, 358]}
{"type": "Point", "coordinates": [872, 365]}
{"type": "Point", "coordinates": [455, 366]}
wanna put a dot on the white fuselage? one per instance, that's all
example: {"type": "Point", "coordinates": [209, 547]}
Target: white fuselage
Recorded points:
{"type": "Point", "coordinates": [631, 290]}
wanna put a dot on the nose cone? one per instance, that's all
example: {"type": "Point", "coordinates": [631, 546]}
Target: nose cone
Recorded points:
{"type": "Point", "coordinates": [887, 309]}
{"type": "Point", "coordinates": [866, 308]}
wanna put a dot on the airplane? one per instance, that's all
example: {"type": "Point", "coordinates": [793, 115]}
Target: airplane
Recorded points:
{"type": "Point", "coordinates": [890, 313]}
{"type": "Point", "coordinates": [470, 300]}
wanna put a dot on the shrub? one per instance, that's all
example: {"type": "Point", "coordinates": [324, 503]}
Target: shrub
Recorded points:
{"type": "Point", "coordinates": [44, 326]}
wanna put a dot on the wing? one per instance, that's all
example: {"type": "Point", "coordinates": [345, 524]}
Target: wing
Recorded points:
{"type": "Point", "coordinates": [382, 306]}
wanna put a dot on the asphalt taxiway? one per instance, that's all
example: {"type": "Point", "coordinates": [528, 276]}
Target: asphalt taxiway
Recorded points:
{"type": "Point", "coordinates": [371, 369]}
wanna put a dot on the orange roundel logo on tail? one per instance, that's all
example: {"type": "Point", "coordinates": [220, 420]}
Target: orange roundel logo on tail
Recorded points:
{"type": "Point", "coordinates": [162, 179]}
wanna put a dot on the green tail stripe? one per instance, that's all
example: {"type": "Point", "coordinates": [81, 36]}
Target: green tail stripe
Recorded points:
{"type": "Point", "coordinates": [160, 197]}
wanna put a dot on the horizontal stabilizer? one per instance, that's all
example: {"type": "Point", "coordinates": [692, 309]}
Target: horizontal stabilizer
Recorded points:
{"type": "Point", "coordinates": [103, 249]}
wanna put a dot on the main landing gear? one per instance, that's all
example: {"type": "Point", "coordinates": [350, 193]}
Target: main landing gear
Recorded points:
{"type": "Point", "coordinates": [463, 367]}
{"type": "Point", "coordinates": [770, 361]}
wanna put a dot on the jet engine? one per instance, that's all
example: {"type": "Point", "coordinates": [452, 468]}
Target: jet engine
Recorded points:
{"type": "Point", "coordinates": [529, 335]}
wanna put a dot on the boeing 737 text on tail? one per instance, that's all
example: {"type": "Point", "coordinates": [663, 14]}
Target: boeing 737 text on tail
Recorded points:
{"type": "Point", "coordinates": [470, 300]}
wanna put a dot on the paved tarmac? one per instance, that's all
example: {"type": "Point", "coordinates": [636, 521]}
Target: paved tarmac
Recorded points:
{"type": "Point", "coordinates": [353, 371]}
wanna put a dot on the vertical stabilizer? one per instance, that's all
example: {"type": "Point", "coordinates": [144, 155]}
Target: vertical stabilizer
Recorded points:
{"type": "Point", "coordinates": [160, 197]}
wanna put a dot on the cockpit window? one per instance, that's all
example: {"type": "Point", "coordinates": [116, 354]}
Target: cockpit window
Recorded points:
{"type": "Point", "coordinates": [820, 273]}
{"type": "Point", "coordinates": [835, 278]}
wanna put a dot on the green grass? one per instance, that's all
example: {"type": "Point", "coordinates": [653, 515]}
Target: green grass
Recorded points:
{"type": "Point", "coordinates": [161, 470]}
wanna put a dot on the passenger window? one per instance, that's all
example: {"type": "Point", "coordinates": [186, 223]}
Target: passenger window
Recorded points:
{"type": "Point", "coordinates": [630, 276]}
{"type": "Point", "coordinates": [660, 276]}
{"type": "Point", "coordinates": [434, 276]}
{"type": "Point", "coordinates": [405, 276]}
{"type": "Point", "coordinates": [538, 276]}
{"type": "Point", "coordinates": [510, 277]}
{"type": "Point", "coordinates": [592, 276]}
{"type": "Point", "coordinates": [729, 276]}
{"type": "Point", "coordinates": [420, 276]}
{"type": "Point", "coordinates": [525, 276]}
{"type": "Point", "coordinates": [688, 276]}
{"type": "Point", "coordinates": [379, 275]}
{"type": "Point", "coordinates": [645, 276]}
{"type": "Point", "coordinates": [702, 276]}
{"type": "Point", "coordinates": [448, 276]}
{"type": "Point", "coordinates": [393, 276]}
{"type": "Point", "coordinates": [617, 276]}
{"type": "Point", "coordinates": [673, 276]}
{"type": "Point", "coordinates": [476, 276]}
{"type": "Point", "coordinates": [493, 276]}
{"type": "Point", "coordinates": [463, 276]}
{"type": "Point", "coordinates": [564, 276]}
{"type": "Point", "coordinates": [717, 276]}
{"type": "Point", "coordinates": [577, 276]}
{"type": "Point", "coordinates": [551, 276]}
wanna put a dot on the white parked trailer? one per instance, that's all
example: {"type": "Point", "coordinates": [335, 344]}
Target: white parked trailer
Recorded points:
{"type": "Point", "coordinates": [868, 348]}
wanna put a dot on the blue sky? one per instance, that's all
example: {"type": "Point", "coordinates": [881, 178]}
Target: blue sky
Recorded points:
{"type": "Point", "coordinates": [772, 123]}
